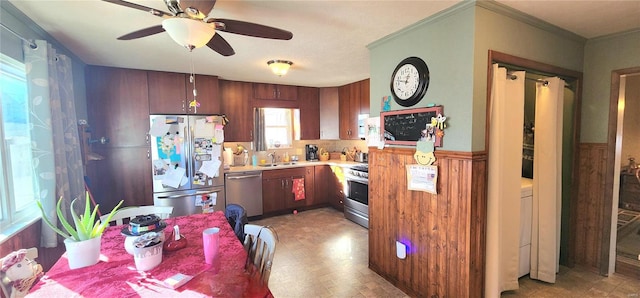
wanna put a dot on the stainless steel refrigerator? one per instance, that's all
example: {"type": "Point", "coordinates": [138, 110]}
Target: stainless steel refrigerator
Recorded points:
{"type": "Point", "coordinates": [186, 152]}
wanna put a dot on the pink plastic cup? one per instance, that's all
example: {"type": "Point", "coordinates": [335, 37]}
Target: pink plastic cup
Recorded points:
{"type": "Point", "coordinates": [210, 239]}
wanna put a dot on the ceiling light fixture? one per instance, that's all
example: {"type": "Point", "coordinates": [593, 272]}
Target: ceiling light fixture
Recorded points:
{"type": "Point", "coordinates": [279, 67]}
{"type": "Point", "coordinates": [188, 33]}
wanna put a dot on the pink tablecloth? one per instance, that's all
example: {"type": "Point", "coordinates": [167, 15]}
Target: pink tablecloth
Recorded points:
{"type": "Point", "coordinates": [115, 275]}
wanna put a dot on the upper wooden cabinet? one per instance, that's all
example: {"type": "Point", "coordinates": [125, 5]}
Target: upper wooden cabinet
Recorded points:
{"type": "Point", "coordinates": [273, 91]}
{"type": "Point", "coordinates": [208, 91]}
{"type": "Point", "coordinates": [309, 104]}
{"type": "Point", "coordinates": [354, 100]}
{"type": "Point", "coordinates": [171, 93]}
{"type": "Point", "coordinates": [329, 118]}
{"type": "Point", "coordinates": [118, 105]}
{"type": "Point", "coordinates": [236, 104]}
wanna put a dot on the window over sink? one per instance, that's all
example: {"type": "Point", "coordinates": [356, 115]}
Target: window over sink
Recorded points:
{"type": "Point", "coordinates": [276, 128]}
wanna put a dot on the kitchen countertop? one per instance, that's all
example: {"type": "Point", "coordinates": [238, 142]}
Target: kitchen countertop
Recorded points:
{"type": "Point", "coordinates": [296, 165]}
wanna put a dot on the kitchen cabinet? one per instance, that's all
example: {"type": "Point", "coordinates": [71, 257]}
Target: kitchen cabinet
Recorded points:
{"type": "Point", "coordinates": [353, 101]}
{"type": "Point", "coordinates": [629, 191]}
{"type": "Point", "coordinates": [118, 105]}
{"type": "Point", "coordinates": [277, 188]}
{"type": "Point", "coordinates": [309, 104]}
{"type": "Point", "coordinates": [118, 108]}
{"type": "Point", "coordinates": [171, 93]}
{"type": "Point", "coordinates": [336, 187]}
{"type": "Point", "coordinates": [321, 184]}
{"type": "Point", "coordinates": [236, 104]}
{"type": "Point", "coordinates": [329, 118]}
{"type": "Point", "coordinates": [123, 174]}
{"type": "Point", "coordinates": [273, 91]}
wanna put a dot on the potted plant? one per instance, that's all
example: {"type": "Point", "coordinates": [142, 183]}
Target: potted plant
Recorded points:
{"type": "Point", "coordinates": [82, 241]}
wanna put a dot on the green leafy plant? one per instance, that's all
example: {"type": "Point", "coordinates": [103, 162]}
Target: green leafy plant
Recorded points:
{"type": "Point", "coordinates": [86, 226]}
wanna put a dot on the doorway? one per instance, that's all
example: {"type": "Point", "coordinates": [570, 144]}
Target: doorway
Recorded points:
{"type": "Point", "coordinates": [570, 187]}
{"type": "Point", "coordinates": [623, 143]}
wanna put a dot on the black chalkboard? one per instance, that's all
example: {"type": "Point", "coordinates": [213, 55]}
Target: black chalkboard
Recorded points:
{"type": "Point", "coordinates": [406, 127]}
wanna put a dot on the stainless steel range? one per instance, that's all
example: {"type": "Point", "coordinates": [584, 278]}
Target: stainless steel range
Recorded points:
{"type": "Point", "coordinates": [356, 203]}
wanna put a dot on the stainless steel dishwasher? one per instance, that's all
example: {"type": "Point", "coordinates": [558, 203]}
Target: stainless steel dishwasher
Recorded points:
{"type": "Point", "coordinates": [245, 189]}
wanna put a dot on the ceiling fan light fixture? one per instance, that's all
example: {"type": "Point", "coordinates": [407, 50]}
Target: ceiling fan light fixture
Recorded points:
{"type": "Point", "coordinates": [187, 32]}
{"type": "Point", "coordinates": [279, 67]}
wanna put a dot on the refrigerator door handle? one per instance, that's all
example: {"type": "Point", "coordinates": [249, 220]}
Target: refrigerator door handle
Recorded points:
{"type": "Point", "coordinates": [175, 196]}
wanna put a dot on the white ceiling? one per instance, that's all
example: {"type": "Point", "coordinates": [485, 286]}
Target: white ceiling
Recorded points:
{"type": "Point", "coordinates": [329, 37]}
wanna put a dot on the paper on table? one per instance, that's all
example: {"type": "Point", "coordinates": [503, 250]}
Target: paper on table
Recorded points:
{"type": "Point", "coordinates": [210, 168]}
{"type": "Point", "coordinates": [203, 129]}
{"type": "Point", "coordinates": [173, 177]}
{"type": "Point", "coordinates": [159, 127]}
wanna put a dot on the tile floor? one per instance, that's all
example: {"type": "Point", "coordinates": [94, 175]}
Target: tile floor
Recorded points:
{"type": "Point", "coordinates": [321, 254]}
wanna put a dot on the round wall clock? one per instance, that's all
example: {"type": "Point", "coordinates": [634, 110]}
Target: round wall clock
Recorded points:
{"type": "Point", "coordinates": [409, 81]}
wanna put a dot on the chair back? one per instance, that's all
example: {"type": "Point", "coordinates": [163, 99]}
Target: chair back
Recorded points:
{"type": "Point", "coordinates": [131, 212]}
{"type": "Point", "coordinates": [237, 218]}
{"type": "Point", "coordinates": [260, 244]}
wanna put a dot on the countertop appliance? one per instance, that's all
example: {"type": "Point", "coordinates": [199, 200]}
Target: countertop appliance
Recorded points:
{"type": "Point", "coordinates": [356, 203]}
{"type": "Point", "coordinates": [311, 152]}
{"type": "Point", "coordinates": [245, 189]}
{"type": "Point", "coordinates": [187, 169]}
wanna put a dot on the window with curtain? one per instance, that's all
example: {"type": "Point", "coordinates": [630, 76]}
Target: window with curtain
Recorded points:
{"type": "Point", "coordinates": [18, 182]}
{"type": "Point", "coordinates": [280, 127]}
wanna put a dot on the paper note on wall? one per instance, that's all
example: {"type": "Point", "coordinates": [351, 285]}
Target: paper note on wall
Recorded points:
{"type": "Point", "coordinates": [203, 129]}
{"type": "Point", "coordinates": [173, 177]}
{"type": "Point", "coordinates": [159, 127]}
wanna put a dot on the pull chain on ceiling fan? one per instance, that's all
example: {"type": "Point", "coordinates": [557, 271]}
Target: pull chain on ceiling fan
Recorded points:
{"type": "Point", "coordinates": [189, 25]}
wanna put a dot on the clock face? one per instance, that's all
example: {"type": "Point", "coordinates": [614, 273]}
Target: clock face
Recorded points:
{"type": "Point", "coordinates": [406, 81]}
{"type": "Point", "coordinates": [409, 81]}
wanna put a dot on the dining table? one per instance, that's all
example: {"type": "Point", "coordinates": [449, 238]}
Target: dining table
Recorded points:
{"type": "Point", "coordinates": [115, 274]}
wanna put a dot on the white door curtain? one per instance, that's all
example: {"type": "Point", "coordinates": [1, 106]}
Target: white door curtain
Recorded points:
{"type": "Point", "coordinates": [505, 169]}
{"type": "Point", "coordinates": [547, 180]}
{"type": "Point", "coordinates": [506, 120]}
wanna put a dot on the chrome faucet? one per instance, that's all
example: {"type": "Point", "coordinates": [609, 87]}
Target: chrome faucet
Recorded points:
{"type": "Point", "coordinates": [273, 157]}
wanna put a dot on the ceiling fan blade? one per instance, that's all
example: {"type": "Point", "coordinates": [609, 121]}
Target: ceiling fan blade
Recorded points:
{"type": "Point", "coordinates": [153, 11]}
{"type": "Point", "coordinates": [142, 33]}
{"type": "Point", "coordinates": [204, 6]}
{"type": "Point", "coordinates": [250, 29]}
{"type": "Point", "coordinates": [220, 45]}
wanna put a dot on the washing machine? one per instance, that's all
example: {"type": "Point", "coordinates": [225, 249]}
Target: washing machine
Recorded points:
{"type": "Point", "coordinates": [526, 208]}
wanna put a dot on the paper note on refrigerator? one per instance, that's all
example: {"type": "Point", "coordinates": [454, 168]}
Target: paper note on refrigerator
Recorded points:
{"type": "Point", "coordinates": [203, 129]}
{"type": "Point", "coordinates": [173, 177]}
{"type": "Point", "coordinates": [219, 135]}
{"type": "Point", "coordinates": [159, 127]}
{"type": "Point", "coordinates": [210, 168]}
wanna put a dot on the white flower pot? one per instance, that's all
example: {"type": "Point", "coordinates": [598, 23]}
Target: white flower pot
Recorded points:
{"type": "Point", "coordinates": [83, 253]}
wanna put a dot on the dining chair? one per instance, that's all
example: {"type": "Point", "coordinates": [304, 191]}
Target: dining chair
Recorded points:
{"type": "Point", "coordinates": [237, 218]}
{"type": "Point", "coordinates": [260, 244]}
{"type": "Point", "coordinates": [131, 212]}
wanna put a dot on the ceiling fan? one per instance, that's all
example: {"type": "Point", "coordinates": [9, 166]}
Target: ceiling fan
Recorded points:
{"type": "Point", "coordinates": [189, 24]}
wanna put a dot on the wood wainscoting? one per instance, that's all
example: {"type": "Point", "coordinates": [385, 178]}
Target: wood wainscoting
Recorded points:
{"type": "Point", "coordinates": [445, 232]}
{"type": "Point", "coordinates": [590, 207]}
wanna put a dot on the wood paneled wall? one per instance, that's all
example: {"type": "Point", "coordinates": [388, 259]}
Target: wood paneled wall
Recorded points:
{"type": "Point", "coordinates": [446, 232]}
{"type": "Point", "coordinates": [590, 204]}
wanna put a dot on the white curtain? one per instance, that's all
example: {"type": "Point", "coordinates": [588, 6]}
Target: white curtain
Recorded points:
{"type": "Point", "coordinates": [505, 169]}
{"type": "Point", "coordinates": [54, 132]}
{"type": "Point", "coordinates": [547, 182]}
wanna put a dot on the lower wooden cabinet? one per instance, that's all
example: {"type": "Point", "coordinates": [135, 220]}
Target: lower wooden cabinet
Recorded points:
{"type": "Point", "coordinates": [336, 187]}
{"type": "Point", "coordinates": [277, 188]}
